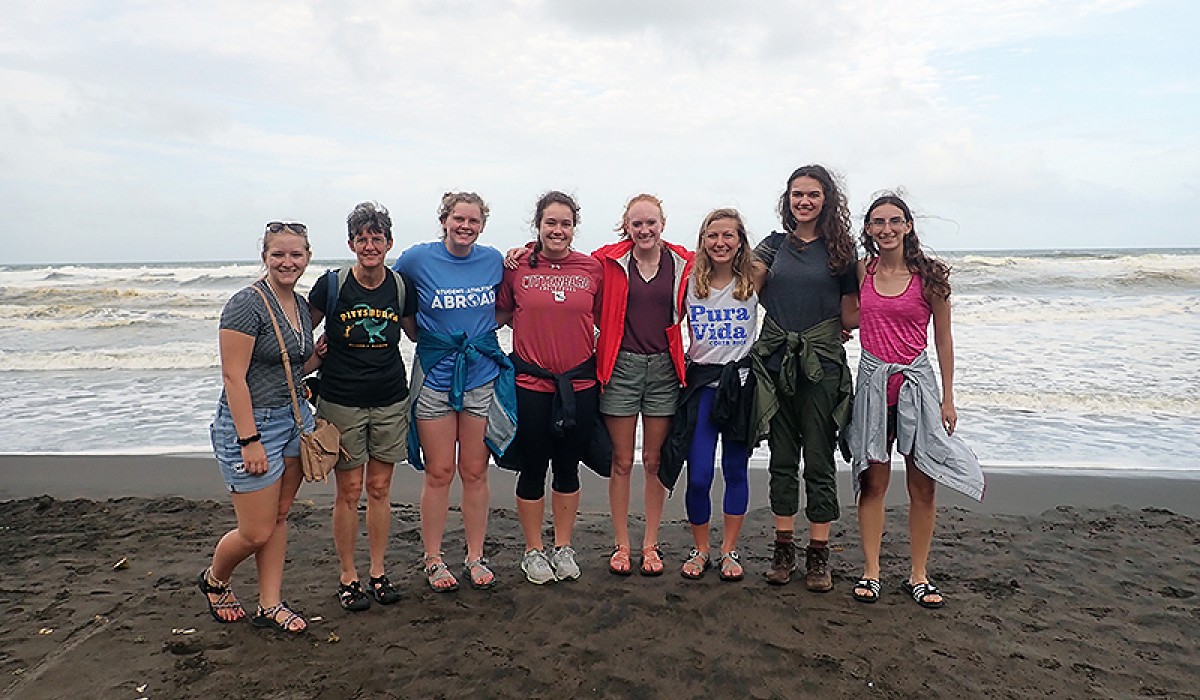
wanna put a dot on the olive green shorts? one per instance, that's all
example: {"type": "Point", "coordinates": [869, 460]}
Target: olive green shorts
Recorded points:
{"type": "Point", "coordinates": [645, 384]}
{"type": "Point", "coordinates": [377, 432]}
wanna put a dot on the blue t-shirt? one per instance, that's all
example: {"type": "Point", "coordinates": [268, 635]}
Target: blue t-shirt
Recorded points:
{"type": "Point", "coordinates": [455, 295]}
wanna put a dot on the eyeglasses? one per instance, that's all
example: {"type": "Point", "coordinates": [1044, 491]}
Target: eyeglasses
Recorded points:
{"type": "Point", "coordinates": [895, 223]}
{"type": "Point", "coordinates": [377, 241]}
{"type": "Point", "coordinates": [293, 226]}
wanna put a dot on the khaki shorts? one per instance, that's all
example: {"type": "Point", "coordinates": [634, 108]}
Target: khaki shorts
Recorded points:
{"type": "Point", "coordinates": [378, 432]}
{"type": "Point", "coordinates": [432, 405]}
{"type": "Point", "coordinates": [645, 384]}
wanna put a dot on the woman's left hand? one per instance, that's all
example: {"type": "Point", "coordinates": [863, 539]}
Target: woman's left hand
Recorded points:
{"type": "Point", "coordinates": [949, 417]}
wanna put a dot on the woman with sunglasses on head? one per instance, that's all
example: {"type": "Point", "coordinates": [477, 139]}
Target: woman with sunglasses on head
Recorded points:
{"type": "Point", "coordinates": [552, 300]}
{"type": "Point", "coordinates": [463, 397]}
{"type": "Point", "coordinates": [255, 436]}
{"type": "Point", "coordinates": [364, 392]}
{"type": "Point", "coordinates": [640, 362]}
{"type": "Point", "coordinates": [804, 387]}
{"type": "Point", "coordinates": [898, 398]}
{"type": "Point", "coordinates": [722, 316]}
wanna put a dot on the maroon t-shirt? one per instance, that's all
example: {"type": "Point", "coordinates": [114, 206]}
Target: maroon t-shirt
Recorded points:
{"type": "Point", "coordinates": [555, 307]}
{"type": "Point", "coordinates": [649, 312]}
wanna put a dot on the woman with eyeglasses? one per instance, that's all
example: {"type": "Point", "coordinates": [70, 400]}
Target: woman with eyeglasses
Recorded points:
{"type": "Point", "coordinates": [463, 397]}
{"type": "Point", "coordinates": [898, 398]}
{"type": "Point", "coordinates": [804, 386]}
{"type": "Point", "coordinates": [364, 392]}
{"type": "Point", "coordinates": [255, 436]}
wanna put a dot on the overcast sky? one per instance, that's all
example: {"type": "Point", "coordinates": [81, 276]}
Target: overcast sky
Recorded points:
{"type": "Point", "coordinates": [159, 131]}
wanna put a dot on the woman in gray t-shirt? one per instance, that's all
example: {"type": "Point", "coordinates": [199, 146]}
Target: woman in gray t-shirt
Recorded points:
{"type": "Point", "coordinates": [255, 436]}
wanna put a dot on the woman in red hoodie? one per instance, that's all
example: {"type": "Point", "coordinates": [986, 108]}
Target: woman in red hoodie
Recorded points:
{"type": "Point", "coordinates": [640, 363]}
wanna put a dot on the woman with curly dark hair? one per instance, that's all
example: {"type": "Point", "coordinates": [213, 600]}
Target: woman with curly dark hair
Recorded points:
{"type": "Point", "coordinates": [898, 397]}
{"type": "Point", "coordinates": [804, 390]}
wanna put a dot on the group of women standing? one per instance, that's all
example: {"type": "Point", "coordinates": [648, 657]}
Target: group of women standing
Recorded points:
{"type": "Point", "coordinates": [568, 394]}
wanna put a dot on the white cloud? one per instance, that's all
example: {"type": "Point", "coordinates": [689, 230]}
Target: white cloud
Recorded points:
{"type": "Point", "coordinates": [189, 120]}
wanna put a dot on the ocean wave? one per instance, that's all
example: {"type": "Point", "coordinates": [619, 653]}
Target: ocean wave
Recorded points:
{"type": "Point", "coordinates": [168, 357]}
{"type": "Point", "coordinates": [1149, 272]}
{"type": "Point", "coordinates": [1093, 404]}
{"type": "Point", "coordinates": [995, 309]}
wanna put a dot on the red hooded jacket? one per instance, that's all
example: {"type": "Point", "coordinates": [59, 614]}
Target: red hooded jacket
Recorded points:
{"type": "Point", "coordinates": [614, 258]}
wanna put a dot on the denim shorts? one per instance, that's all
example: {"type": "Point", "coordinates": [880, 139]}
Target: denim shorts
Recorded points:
{"type": "Point", "coordinates": [280, 438]}
{"type": "Point", "coordinates": [645, 384]}
{"type": "Point", "coordinates": [379, 432]}
{"type": "Point", "coordinates": [433, 404]}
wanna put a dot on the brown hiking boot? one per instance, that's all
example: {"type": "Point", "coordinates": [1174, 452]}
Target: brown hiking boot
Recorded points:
{"type": "Point", "coordinates": [816, 570]}
{"type": "Point", "coordinates": [783, 563]}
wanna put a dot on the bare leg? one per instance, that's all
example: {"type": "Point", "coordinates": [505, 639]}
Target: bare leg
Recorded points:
{"type": "Point", "coordinates": [566, 507]}
{"type": "Point", "coordinates": [623, 432]}
{"type": "Point", "coordinates": [922, 510]}
{"type": "Point", "coordinates": [438, 438]}
{"type": "Point", "coordinates": [379, 512]}
{"type": "Point", "coordinates": [733, 528]}
{"type": "Point", "coordinates": [256, 515]}
{"type": "Point", "coordinates": [472, 469]}
{"type": "Point", "coordinates": [531, 514]}
{"type": "Point", "coordinates": [654, 433]}
{"type": "Point", "coordinates": [345, 520]}
{"type": "Point", "coordinates": [870, 514]}
{"type": "Point", "coordinates": [270, 557]}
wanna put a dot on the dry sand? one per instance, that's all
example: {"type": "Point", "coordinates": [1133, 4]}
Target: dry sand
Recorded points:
{"type": "Point", "coordinates": [1093, 599]}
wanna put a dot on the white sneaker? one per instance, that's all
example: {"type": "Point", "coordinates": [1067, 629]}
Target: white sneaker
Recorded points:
{"type": "Point", "coordinates": [537, 567]}
{"type": "Point", "coordinates": [563, 561]}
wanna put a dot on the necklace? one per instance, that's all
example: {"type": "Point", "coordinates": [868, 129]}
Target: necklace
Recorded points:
{"type": "Point", "coordinates": [295, 331]}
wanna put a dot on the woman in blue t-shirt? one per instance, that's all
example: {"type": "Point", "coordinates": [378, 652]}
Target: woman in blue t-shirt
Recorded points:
{"type": "Point", "coordinates": [463, 396]}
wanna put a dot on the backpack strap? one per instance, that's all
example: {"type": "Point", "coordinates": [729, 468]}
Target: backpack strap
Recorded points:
{"type": "Point", "coordinates": [400, 291]}
{"type": "Point", "coordinates": [337, 279]}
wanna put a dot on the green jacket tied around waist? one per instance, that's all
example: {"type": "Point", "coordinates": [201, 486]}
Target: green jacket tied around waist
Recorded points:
{"type": "Point", "coordinates": [801, 361]}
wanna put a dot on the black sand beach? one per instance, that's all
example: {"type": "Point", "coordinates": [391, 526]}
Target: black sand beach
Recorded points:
{"type": "Point", "coordinates": [1064, 586]}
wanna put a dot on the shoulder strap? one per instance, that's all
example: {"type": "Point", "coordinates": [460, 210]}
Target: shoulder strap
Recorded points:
{"type": "Point", "coordinates": [770, 245]}
{"type": "Point", "coordinates": [399, 291]}
{"type": "Point", "coordinates": [287, 364]}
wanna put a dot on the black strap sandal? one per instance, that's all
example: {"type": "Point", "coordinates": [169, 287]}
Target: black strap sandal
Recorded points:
{"type": "Point", "coordinates": [226, 600]}
{"type": "Point", "coordinates": [352, 597]}
{"type": "Point", "coordinates": [922, 592]}
{"type": "Point", "coordinates": [269, 618]}
{"type": "Point", "coordinates": [866, 590]}
{"type": "Point", "coordinates": [382, 590]}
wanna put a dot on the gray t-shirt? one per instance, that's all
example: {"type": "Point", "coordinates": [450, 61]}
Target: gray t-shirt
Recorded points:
{"type": "Point", "coordinates": [801, 291]}
{"type": "Point", "coordinates": [245, 313]}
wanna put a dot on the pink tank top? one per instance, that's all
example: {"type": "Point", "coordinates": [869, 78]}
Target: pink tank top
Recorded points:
{"type": "Point", "coordinates": [894, 329]}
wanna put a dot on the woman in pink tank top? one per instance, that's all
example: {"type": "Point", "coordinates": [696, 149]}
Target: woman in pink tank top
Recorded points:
{"type": "Point", "coordinates": [901, 289]}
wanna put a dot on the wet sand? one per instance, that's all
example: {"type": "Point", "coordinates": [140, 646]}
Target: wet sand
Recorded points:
{"type": "Point", "coordinates": [1065, 586]}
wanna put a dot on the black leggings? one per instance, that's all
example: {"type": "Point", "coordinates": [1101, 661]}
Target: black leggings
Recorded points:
{"type": "Point", "coordinates": [538, 447]}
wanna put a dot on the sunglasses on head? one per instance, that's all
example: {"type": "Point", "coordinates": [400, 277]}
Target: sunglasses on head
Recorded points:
{"type": "Point", "coordinates": [293, 226]}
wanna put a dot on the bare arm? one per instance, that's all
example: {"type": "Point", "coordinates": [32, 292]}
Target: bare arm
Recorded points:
{"type": "Point", "coordinates": [851, 307]}
{"type": "Point", "coordinates": [236, 351]}
{"type": "Point", "coordinates": [409, 325]}
{"type": "Point", "coordinates": [758, 275]}
{"type": "Point", "coordinates": [944, 341]}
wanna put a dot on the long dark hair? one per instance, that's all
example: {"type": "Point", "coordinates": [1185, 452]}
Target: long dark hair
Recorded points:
{"type": "Point", "coordinates": [934, 274]}
{"type": "Point", "coordinates": [833, 223]}
{"type": "Point", "coordinates": [539, 210]}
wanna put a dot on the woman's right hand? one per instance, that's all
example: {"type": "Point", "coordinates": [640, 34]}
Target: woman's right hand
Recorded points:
{"type": "Point", "coordinates": [512, 258]}
{"type": "Point", "coordinates": [254, 457]}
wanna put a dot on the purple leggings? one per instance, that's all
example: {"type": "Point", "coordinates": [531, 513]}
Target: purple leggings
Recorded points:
{"type": "Point", "coordinates": [701, 465]}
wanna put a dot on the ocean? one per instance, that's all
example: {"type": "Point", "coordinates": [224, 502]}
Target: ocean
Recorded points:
{"type": "Point", "coordinates": [1071, 359]}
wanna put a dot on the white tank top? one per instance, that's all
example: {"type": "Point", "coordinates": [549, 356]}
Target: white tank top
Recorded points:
{"type": "Point", "coordinates": [722, 327]}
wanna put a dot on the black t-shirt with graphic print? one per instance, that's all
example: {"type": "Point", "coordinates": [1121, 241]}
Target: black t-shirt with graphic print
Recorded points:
{"type": "Point", "coordinates": [364, 367]}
